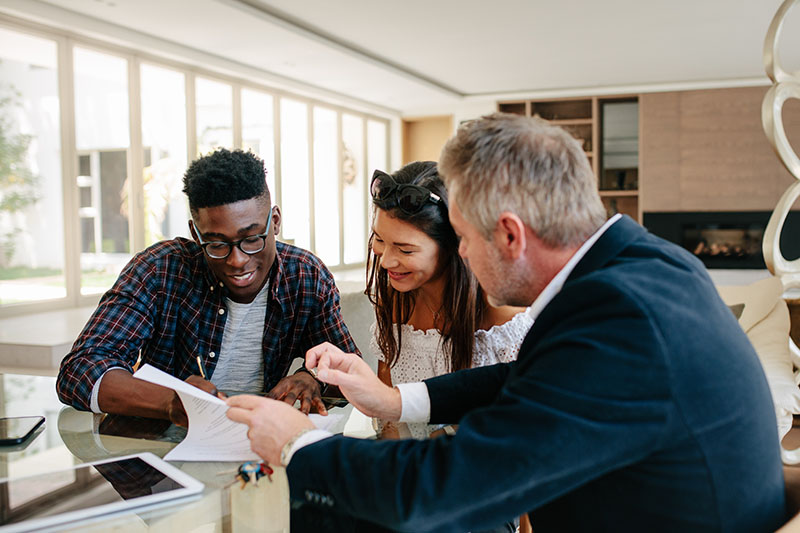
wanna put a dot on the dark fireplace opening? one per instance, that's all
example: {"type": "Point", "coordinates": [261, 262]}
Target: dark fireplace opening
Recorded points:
{"type": "Point", "coordinates": [725, 239]}
{"type": "Point", "coordinates": [723, 242]}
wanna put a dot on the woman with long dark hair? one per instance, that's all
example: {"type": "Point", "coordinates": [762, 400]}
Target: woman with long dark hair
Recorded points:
{"type": "Point", "coordinates": [431, 315]}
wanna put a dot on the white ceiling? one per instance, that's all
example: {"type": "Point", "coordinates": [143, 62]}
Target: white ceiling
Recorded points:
{"type": "Point", "coordinates": [420, 54]}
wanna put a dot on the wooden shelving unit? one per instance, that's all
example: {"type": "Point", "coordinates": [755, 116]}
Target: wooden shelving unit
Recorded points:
{"type": "Point", "coordinates": [582, 118]}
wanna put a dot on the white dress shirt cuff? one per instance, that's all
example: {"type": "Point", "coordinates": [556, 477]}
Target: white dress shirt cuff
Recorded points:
{"type": "Point", "coordinates": [93, 402]}
{"type": "Point", "coordinates": [310, 437]}
{"type": "Point", "coordinates": [416, 406]}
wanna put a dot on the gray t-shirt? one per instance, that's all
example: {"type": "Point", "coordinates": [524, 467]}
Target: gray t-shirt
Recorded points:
{"type": "Point", "coordinates": [240, 367]}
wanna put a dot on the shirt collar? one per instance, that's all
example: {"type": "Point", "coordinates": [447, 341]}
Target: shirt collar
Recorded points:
{"type": "Point", "coordinates": [555, 285]}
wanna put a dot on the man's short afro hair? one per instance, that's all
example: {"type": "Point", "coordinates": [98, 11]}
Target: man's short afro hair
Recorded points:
{"type": "Point", "coordinates": [224, 177]}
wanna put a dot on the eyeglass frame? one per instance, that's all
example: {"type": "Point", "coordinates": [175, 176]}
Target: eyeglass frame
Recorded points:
{"type": "Point", "coordinates": [397, 188]}
{"type": "Point", "coordinates": [238, 244]}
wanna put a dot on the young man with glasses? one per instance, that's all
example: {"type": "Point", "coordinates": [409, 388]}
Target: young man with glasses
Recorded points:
{"type": "Point", "coordinates": [228, 311]}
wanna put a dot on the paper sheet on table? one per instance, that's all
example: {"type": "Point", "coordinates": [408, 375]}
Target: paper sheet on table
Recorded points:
{"type": "Point", "coordinates": [212, 436]}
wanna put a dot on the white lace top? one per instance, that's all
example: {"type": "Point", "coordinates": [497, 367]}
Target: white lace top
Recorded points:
{"type": "Point", "coordinates": [422, 357]}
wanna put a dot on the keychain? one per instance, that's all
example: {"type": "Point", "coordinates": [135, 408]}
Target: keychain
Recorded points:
{"type": "Point", "coordinates": [253, 470]}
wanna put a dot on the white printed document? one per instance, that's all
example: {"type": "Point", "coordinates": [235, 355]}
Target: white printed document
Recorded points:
{"type": "Point", "coordinates": [211, 436]}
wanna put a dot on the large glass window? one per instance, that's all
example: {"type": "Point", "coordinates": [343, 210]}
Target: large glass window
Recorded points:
{"type": "Point", "coordinates": [326, 186]}
{"type": "Point", "coordinates": [319, 177]}
{"type": "Point", "coordinates": [164, 142]}
{"type": "Point", "coordinates": [258, 131]}
{"type": "Point", "coordinates": [377, 152]}
{"type": "Point", "coordinates": [214, 101]}
{"type": "Point", "coordinates": [354, 185]}
{"type": "Point", "coordinates": [31, 194]}
{"type": "Point", "coordinates": [102, 138]}
{"type": "Point", "coordinates": [294, 173]}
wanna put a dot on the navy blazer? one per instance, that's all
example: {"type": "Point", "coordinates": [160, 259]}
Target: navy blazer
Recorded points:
{"type": "Point", "coordinates": [636, 404]}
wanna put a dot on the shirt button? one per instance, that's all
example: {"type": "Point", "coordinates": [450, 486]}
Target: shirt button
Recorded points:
{"type": "Point", "coordinates": [220, 284]}
{"type": "Point", "coordinates": [212, 288]}
{"type": "Point", "coordinates": [222, 311]}
{"type": "Point", "coordinates": [212, 354]}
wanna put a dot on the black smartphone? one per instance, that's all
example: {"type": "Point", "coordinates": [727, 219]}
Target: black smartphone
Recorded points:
{"type": "Point", "coordinates": [15, 430]}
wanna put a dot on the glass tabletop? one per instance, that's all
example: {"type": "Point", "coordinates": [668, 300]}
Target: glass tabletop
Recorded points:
{"type": "Point", "coordinates": [71, 437]}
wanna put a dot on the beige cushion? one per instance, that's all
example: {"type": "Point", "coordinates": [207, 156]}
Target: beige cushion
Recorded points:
{"type": "Point", "coordinates": [759, 299]}
{"type": "Point", "coordinates": [765, 320]}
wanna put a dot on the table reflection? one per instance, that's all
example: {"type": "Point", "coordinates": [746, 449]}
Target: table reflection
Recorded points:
{"type": "Point", "coordinates": [72, 437]}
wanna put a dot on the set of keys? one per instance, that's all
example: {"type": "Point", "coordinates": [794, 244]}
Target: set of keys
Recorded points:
{"type": "Point", "coordinates": [252, 471]}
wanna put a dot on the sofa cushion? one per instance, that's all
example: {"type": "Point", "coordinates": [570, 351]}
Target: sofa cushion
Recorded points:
{"type": "Point", "coordinates": [765, 320]}
{"type": "Point", "coordinates": [758, 298]}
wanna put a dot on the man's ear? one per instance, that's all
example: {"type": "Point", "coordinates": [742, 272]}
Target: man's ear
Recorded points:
{"type": "Point", "coordinates": [276, 220]}
{"type": "Point", "coordinates": [193, 232]}
{"type": "Point", "coordinates": [509, 235]}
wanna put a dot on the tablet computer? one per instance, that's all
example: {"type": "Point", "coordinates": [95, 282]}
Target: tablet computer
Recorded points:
{"type": "Point", "coordinates": [90, 490]}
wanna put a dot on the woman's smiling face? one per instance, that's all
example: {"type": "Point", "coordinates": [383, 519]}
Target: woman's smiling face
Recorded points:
{"type": "Point", "coordinates": [409, 256]}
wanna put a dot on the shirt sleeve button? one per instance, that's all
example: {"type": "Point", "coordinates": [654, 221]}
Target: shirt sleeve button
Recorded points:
{"type": "Point", "coordinates": [212, 354]}
{"type": "Point", "coordinates": [222, 311]}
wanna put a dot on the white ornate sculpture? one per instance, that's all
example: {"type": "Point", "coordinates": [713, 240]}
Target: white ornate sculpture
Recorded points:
{"type": "Point", "coordinates": [785, 85]}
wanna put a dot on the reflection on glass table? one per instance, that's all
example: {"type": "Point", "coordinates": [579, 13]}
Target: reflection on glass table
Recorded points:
{"type": "Point", "coordinates": [100, 489]}
{"type": "Point", "coordinates": [73, 437]}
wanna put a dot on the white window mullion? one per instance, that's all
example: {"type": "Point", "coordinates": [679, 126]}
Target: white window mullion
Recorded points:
{"type": "Point", "coordinates": [276, 146]}
{"type": "Point", "coordinates": [367, 177]}
{"type": "Point", "coordinates": [311, 203]}
{"type": "Point", "coordinates": [135, 159]}
{"type": "Point", "coordinates": [237, 116]}
{"type": "Point", "coordinates": [69, 171]}
{"type": "Point", "coordinates": [191, 118]}
{"type": "Point", "coordinates": [340, 178]}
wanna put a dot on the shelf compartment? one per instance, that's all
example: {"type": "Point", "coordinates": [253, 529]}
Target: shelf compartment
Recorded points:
{"type": "Point", "coordinates": [516, 108]}
{"type": "Point", "coordinates": [619, 179]}
{"type": "Point", "coordinates": [563, 109]}
{"type": "Point", "coordinates": [621, 204]}
{"type": "Point", "coordinates": [582, 132]}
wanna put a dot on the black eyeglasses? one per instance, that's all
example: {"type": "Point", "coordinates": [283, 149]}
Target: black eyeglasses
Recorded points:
{"type": "Point", "coordinates": [249, 245]}
{"type": "Point", "coordinates": [387, 193]}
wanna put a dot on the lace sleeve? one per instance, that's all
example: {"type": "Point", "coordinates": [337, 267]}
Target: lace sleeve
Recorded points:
{"type": "Point", "coordinates": [501, 344]}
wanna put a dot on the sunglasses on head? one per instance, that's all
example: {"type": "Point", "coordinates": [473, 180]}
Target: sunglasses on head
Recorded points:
{"type": "Point", "coordinates": [410, 199]}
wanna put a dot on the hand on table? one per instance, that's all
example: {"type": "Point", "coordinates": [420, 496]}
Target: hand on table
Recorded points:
{"type": "Point", "coordinates": [272, 423]}
{"type": "Point", "coordinates": [175, 410]}
{"type": "Point", "coordinates": [300, 386]}
{"type": "Point", "coordinates": [356, 380]}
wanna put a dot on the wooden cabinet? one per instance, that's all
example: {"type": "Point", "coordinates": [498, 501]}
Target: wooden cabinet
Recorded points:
{"type": "Point", "coordinates": [705, 150]}
{"type": "Point", "coordinates": [611, 145]}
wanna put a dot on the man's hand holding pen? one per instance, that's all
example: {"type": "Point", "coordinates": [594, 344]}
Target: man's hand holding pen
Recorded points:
{"type": "Point", "coordinates": [175, 411]}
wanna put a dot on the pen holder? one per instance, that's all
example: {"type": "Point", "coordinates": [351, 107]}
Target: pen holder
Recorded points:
{"type": "Point", "coordinates": [261, 508]}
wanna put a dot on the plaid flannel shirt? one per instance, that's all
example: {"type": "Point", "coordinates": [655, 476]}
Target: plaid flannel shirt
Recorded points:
{"type": "Point", "coordinates": [169, 306]}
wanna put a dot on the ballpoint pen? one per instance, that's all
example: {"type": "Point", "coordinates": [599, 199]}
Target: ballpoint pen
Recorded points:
{"type": "Point", "coordinates": [201, 367]}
